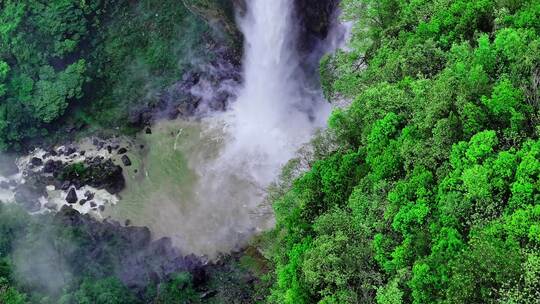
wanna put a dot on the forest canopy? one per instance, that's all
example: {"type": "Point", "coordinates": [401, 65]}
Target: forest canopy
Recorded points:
{"type": "Point", "coordinates": [432, 193]}
{"type": "Point", "coordinates": [72, 63]}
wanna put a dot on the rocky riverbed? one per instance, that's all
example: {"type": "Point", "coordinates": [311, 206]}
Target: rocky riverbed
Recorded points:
{"type": "Point", "coordinates": [87, 176]}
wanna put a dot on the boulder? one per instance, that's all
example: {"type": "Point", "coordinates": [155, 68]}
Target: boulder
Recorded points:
{"type": "Point", "coordinates": [70, 151]}
{"type": "Point", "coordinates": [126, 161]}
{"type": "Point", "coordinates": [122, 151]}
{"type": "Point", "coordinates": [89, 195]}
{"type": "Point", "coordinates": [52, 166]}
{"type": "Point", "coordinates": [65, 185]}
{"type": "Point", "coordinates": [71, 197]}
{"type": "Point", "coordinates": [36, 161]}
{"type": "Point", "coordinates": [95, 172]}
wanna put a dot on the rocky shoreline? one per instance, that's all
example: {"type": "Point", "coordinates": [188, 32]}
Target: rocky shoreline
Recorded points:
{"type": "Point", "coordinates": [87, 176]}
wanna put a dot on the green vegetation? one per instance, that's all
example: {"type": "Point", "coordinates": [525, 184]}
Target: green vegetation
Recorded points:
{"type": "Point", "coordinates": [429, 195]}
{"type": "Point", "coordinates": [68, 258]}
{"type": "Point", "coordinates": [93, 60]}
{"type": "Point", "coordinates": [432, 194]}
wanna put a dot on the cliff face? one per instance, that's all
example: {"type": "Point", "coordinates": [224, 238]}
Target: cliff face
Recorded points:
{"type": "Point", "coordinates": [220, 13]}
{"type": "Point", "coordinates": [316, 19]}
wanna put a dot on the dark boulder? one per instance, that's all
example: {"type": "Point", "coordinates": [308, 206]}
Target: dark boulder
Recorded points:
{"type": "Point", "coordinates": [126, 161]}
{"type": "Point", "coordinates": [89, 195]}
{"type": "Point", "coordinates": [53, 166]}
{"type": "Point", "coordinates": [122, 151]}
{"type": "Point", "coordinates": [148, 130]}
{"type": "Point", "coordinates": [71, 197]}
{"type": "Point", "coordinates": [95, 172]}
{"type": "Point", "coordinates": [36, 161]}
{"type": "Point", "coordinates": [65, 185]}
{"type": "Point", "coordinates": [70, 151]}
{"type": "Point", "coordinates": [82, 202]}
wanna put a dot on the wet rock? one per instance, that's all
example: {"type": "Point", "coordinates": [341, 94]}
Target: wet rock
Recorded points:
{"type": "Point", "coordinates": [126, 161]}
{"type": "Point", "coordinates": [316, 19]}
{"type": "Point", "coordinates": [93, 204]}
{"type": "Point", "coordinates": [36, 161]}
{"type": "Point", "coordinates": [52, 166]}
{"type": "Point", "coordinates": [71, 197]}
{"type": "Point", "coordinates": [70, 151]}
{"type": "Point", "coordinates": [82, 153]}
{"type": "Point", "coordinates": [101, 208]}
{"type": "Point", "coordinates": [82, 202]}
{"type": "Point", "coordinates": [65, 185]}
{"type": "Point", "coordinates": [122, 151]}
{"type": "Point", "coordinates": [127, 222]}
{"type": "Point", "coordinates": [95, 172]}
{"type": "Point", "coordinates": [109, 149]}
{"type": "Point", "coordinates": [89, 195]}
{"type": "Point", "coordinates": [148, 130]}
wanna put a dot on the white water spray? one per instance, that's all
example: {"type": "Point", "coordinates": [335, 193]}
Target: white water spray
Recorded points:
{"type": "Point", "coordinates": [273, 115]}
{"type": "Point", "coordinates": [205, 180]}
{"type": "Point", "coordinates": [242, 151]}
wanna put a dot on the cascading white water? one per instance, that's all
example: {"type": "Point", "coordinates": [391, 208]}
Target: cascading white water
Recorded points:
{"type": "Point", "coordinates": [223, 163]}
{"type": "Point", "coordinates": [273, 116]}
{"type": "Point", "coordinates": [202, 182]}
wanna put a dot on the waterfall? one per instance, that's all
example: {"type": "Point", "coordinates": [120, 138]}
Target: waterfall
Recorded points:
{"type": "Point", "coordinates": [274, 114]}
{"type": "Point", "coordinates": [223, 163]}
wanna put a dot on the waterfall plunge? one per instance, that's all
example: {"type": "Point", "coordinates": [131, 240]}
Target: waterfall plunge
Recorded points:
{"type": "Point", "coordinates": [232, 157]}
{"type": "Point", "coordinates": [274, 113]}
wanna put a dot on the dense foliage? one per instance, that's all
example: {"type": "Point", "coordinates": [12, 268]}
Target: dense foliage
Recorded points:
{"type": "Point", "coordinates": [68, 258]}
{"type": "Point", "coordinates": [93, 60]}
{"type": "Point", "coordinates": [432, 193]}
